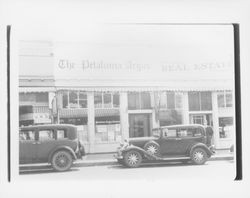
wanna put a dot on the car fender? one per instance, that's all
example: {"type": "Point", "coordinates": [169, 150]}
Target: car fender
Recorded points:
{"type": "Point", "coordinates": [140, 150]}
{"type": "Point", "coordinates": [66, 148]}
{"type": "Point", "coordinates": [200, 145]}
{"type": "Point", "coordinates": [151, 142]}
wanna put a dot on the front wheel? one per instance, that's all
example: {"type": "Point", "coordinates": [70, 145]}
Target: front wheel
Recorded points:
{"type": "Point", "coordinates": [61, 161]}
{"type": "Point", "coordinates": [132, 159]}
{"type": "Point", "coordinates": [199, 156]}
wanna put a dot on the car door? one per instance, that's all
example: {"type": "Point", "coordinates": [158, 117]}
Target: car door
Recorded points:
{"type": "Point", "coordinates": [168, 142]}
{"type": "Point", "coordinates": [27, 146]}
{"type": "Point", "coordinates": [45, 144]}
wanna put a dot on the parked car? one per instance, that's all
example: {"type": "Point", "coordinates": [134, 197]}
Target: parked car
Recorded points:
{"type": "Point", "coordinates": [56, 144]}
{"type": "Point", "coordinates": [170, 143]}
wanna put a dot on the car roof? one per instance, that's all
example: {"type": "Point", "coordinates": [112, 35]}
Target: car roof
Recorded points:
{"type": "Point", "coordinates": [182, 125]}
{"type": "Point", "coordinates": [49, 126]}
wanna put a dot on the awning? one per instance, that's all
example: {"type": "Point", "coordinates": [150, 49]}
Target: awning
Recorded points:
{"type": "Point", "coordinates": [78, 113]}
{"type": "Point", "coordinates": [36, 89]}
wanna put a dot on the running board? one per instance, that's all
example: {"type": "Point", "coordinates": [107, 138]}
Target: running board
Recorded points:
{"type": "Point", "coordinates": [172, 158]}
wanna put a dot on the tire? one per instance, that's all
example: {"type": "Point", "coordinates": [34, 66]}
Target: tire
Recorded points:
{"type": "Point", "coordinates": [199, 156]}
{"type": "Point", "coordinates": [152, 148]}
{"type": "Point", "coordinates": [61, 161]}
{"type": "Point", "coordinates": [132, 159]}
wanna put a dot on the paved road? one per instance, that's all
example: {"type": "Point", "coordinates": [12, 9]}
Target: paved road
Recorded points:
{"type": "Point", "coordinates": [211, 170]}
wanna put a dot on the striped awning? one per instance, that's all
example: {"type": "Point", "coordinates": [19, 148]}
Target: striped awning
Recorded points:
{"type": "Point", "coordinates": [78, 113]}
{"type": "Point", "coordinates": [36, 89]}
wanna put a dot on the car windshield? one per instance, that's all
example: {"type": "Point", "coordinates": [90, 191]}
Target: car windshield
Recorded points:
{"type": "Point", "coordinates": [156, 132]}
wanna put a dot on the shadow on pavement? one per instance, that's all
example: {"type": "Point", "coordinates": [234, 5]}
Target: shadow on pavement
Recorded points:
{"type": "Point", "coordinates": [42, 170]}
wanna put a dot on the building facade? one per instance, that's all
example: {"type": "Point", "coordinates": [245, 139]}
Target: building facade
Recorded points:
{"type": "Point", "coordinates": [107, 111]}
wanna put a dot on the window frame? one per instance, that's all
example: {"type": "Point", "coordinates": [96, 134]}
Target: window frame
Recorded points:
{"type": "Point", "coordinates": [78, 100]}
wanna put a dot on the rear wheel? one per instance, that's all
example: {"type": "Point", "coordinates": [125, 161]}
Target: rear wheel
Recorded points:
{"type": "Point", "coordinates": [199, 156]}
{"type": "Point", "coordinates": [62, 161]}
{"type": "Point", "coordinates": [132, 159]}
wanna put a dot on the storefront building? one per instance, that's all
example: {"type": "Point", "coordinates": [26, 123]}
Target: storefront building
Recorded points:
{"type": "Point", "coordinates": [111, 94]}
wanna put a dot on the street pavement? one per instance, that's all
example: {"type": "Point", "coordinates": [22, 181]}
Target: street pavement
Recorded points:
{"type": "Point", "coordinates": [215, 170]}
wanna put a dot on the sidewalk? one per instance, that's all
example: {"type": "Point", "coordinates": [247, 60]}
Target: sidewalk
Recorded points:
{"type": "Point", "coordinates": [108, 159]}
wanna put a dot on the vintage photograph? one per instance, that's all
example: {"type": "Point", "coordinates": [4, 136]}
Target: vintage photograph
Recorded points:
{"type": "Point", "coordinates": [127, 101]}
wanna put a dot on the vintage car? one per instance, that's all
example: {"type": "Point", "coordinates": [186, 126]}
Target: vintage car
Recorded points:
{"type": "Point", "coordinates": [56, 144]}
{"type": "Point", "coordinates": [170, 143]}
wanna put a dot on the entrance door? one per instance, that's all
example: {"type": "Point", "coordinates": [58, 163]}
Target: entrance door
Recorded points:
{"type": "Point", "coordinates": [139, 125]}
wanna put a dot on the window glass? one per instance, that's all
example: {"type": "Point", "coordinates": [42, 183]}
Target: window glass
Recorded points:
{"type": "Point", "coordinates": [194, 101]}
{"type": "Point", "coordinates": [107, 100]}
{"type": "Point", "coordinates": [46, 135]}
{"type": "Point", "coordinates": [163, 100]}
{"type": "Point", "coordinates": [170, 100]}
{"type": "Point", "coordinates": [116, 100]}
{"type": "Point", "coordinates": [220, 99]}
{"type": "Point", "coordinates": [42, 97]}
{"type": "Point", "coordinates": [225, 127]}
{"type": "Point", "coordinates": [178, 101]}
{"type": "Point", "coordinates": [145, 100]}
{"type": "Point", "coordinates": [27, 135]}
{"type": "Point", "coordinates": [61, 133]}
{"type": "Point", "coordinates": [65, 99]}
{"type": "Point", "coordinates": [170, 132]}
{"type": "Point", "coordinates": [206, 101]}
{"type": "Point", "coordinates": [229, 100]}
{"type": "Point", "coordinates": [156, 132]}
{"type": "Point", "coordinates": [98, 100]}
{"type": "Point", "coordinates": [83, 102]}
{"type": "Point", "coordinates": [133, 100]}
{"type": "Point", "coordinates": [73, 99]}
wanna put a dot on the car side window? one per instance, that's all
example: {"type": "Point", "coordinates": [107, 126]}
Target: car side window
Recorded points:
{"type": "Point", "coordinates": [197, 132]}
{"type": "Point", "coordinates": [61, 133]}
{"type": "Point", "coordinates": [46, 135]}
{"type": "Point", "coordinates": [27, 135]}
{"type": "Point", "coordinates": [185, 132]}
{"type": "Point", "coordinates": [169, 133]}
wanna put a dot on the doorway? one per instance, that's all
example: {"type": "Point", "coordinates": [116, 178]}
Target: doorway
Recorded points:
{"type": "Point", "coordinates": [139, 125]}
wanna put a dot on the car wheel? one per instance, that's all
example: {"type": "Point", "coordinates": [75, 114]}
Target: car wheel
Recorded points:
{"type": "Point", "coordinates": [152, 148]}
{"type": "Point", "coordinates": [61, 161]}
{"type": "Point", "coordinates": [132, 159]}
{"type": "Point", "coordinates": [199, 156]}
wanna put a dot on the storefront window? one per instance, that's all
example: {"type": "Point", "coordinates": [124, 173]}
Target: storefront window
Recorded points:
{"type": "Point", "coordinates": [116, 100]}
{"type": "Point", "coordinates": [170, 117]}
{"type": "Point", "coordinates": [200, 101]}
{"type": "Point", "coordinates": [170, 100]}
{"type": "Point", "coordinates": [106, 100]}
{"type": "Point", "coordinates": [225, 99]}
{"type": "Point", "coordinates": [225, 127]}
{"type": "Point", "coordinates": [108, 129]}
{"type": "Point", "coordinates": [139, 100]}
{"type": "Point", "coordinates": [74, 99]}
{"type": "Point", "coordinates": [42, 97]}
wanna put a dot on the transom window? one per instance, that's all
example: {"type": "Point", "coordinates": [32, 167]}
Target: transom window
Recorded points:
{"type": "Point", "coordinates": [106, 100]}
{"type": "Point", "coordinates": [75, 99]}
{"type": "Point", "coordinates": [170, 100]}
{"type": "Point", "coordinates": [139, 100]}
{"type": "Point", "coordinates": [200, 101]}
{"type": "Point", "coordinates": [225, 99]}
